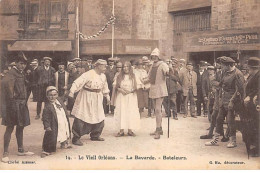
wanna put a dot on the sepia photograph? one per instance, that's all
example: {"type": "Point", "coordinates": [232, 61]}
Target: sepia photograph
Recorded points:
{"type": "Point", "coordinates": [129, 84]}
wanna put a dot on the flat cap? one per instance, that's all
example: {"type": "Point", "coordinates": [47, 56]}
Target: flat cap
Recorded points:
{"type": "Point", "coordinates": [225, 59]}
{"type": "Point", "coordinates": [12, 64]}
{"type": "Point", "coordinates": [203, 63]}
{"type": "Point", "coordinates": [182, 60]}
{"type": "Point", "coordinates": [86, 57]}
{"type": "Point", "coordinates": [75, 59]}
{"type": "Point", "coordinates": [145, 59]}
{"type": "Point", "coordinates": [211, 67]}
{"type": "Point", "coordinates": [100, 62]}
{"type": "Point", "coordinates": [189, 63]}
{"type": "Point", "coordinates": [47, 58]}
{"type": "Point", "coordinates": [50, 88]}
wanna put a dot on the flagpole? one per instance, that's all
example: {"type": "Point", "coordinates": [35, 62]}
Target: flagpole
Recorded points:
{"type": "Point", "coordinates": [77, 30]}
{"type": "Point", "coordinates": [113, 29]}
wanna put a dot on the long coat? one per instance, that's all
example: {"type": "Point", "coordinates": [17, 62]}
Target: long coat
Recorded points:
{"type": "Point", "coordinates": [49, 118]}
{"type": "Point", "coordinates": [185, 82]}
{"type": "Point", "coordinates": [14, 107]}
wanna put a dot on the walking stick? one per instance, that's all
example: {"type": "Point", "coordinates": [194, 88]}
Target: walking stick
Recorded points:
{"type": "Point", "coordinates": [168, 106]}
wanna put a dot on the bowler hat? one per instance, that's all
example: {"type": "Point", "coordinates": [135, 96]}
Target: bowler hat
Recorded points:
{"type": "Point", "coordinates": [253, 62]}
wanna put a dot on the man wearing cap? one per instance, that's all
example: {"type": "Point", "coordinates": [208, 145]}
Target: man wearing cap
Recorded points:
{"type": "Point", "coordinates": [32, 77]}
{"type": "Point", "coordinates": [158, 89]}
{"type": "Point", "coordinates": [231, 92]}
{"type": "Point", "coordinates": [207, 89]}
{"type": "Point", "coordinates": [244, 70]}
{"type": "Point", "coordinates": [88, 107]}
{"type": "Point", "coordinates": [14, 107]}
{"type": "Point", "coordinates": [46, 78]}
{"type": "Point", "coordinates": [202, 77]}
{"type": "Point", "coordinates": [87, 62]}
{"type": "Point", "coordinates": [189, 86]}
{"type": "Point", "coordinates": [142, 94]}
{"type": "Point", "coordinates": [180, 100]}
{"type": "Point", "coordinates": [61, 79]}
{"type": "Point", "coordinates": [110, 75]}
{"type": "Point", "coordinates": [172, 88]}
{"type": "Point", "coordinates": [252, 107]}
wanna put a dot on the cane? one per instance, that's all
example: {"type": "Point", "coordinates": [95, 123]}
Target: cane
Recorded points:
{"type": "Point", "coordinates": [168, 106]}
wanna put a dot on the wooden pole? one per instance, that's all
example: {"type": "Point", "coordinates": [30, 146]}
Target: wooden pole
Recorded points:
{"type": "Point", "coordinates": [113, 29]}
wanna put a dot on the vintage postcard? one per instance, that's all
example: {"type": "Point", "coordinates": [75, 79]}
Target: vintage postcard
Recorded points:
{"type": "Point", "coordinates": [129, 84]}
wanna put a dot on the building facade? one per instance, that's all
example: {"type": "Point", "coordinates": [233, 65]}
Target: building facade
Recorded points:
{"type": "Point", "coordinates": [207, 29]}
{"type": "Point", "coordinates": [38, 28]}
{"type": "Point", "coordinates": [193, 30]}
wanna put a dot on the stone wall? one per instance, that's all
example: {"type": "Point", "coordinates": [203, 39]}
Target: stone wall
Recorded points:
{"type": "Point", "coordinates": [235, 14]}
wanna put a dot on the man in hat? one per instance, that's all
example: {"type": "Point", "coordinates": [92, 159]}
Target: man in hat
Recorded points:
{"type": "Point", "coordinates": [158, 89]}
{"type": "Point", "coordinates": [88, 107]}
{"type": "Point", "coordinates": [46, 78]}
{"type": "Point", "coordinates": [207, 89]}
{"type": "Point", "coordinates": [61, 79]}
{"type": "Point", "coordinates": [252, 105]}
{"type": "Point", "coordinates": [202, 76]}
{"type": "Point", "coordinates": [180, 100]}
{"type": "Point", "coordinates": [14, 107]}
{"type": "Point", "coordinates": [87, 62]}
{"type": "Point", "coordinates": [110, 75]}
{"type": "Point", "coordinates": [231, 92]}
{"type": "Point", "coordinates": [244, 70]}
{"type": "Point", "coordinates": [189, 86]}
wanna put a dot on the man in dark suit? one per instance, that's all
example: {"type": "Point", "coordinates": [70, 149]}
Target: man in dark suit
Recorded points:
{"type": "Point", "coordinates": [46, 77]}
{"type": "Point", "coordinates": [202, 75]}
{"type": "Point", "coordinates": [110, 75]}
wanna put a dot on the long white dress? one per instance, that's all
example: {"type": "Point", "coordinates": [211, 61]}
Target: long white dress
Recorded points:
{"type": "Point", "coordinates": [126, 112]}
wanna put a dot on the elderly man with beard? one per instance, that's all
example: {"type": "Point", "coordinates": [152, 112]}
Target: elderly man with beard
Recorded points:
{"type": "Point", "coordinates": [88, 107]}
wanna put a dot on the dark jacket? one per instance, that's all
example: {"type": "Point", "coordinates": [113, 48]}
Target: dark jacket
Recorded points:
{"type": "Point", "coordinates": [171, 82]}
{"type": "Point", "coordinates": [252, 87]}
{"type": "Point", "coordinates": [45, 78]}
{"type": "Point", "coordinates": [49, 118]}
{"type": "Point", "coordinates": [14, 99]}
{"type": "Point", "coordinates": [205, 83]}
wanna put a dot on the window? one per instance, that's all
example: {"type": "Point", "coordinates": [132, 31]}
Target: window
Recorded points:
{"type": "Point", "coordinates": [55, 11]}
{"type": "Point", "coordinates": [195, 20]}
{"type": "Point", "coordinates": [34, 11]}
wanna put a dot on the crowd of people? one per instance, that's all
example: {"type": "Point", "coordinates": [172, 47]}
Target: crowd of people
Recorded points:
{"type": "Point", "coordinates": [87, 91]}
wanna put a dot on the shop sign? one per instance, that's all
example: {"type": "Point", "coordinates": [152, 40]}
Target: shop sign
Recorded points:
{"type": "Point", "coordinates": [244, 38]}
{"type": "Point", "coordinates": [138, 49]}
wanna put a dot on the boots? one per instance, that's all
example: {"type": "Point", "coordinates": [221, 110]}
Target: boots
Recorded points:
{"type": "Point", "coordinates": [160, 131]}
{"type": "Point", "coordinates": [232, 143]}
{"type": "Point", "coordinates": [214, 141]}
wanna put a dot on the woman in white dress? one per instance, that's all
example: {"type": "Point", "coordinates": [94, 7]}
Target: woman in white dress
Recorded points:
{"type": "Point", "coordinates": [126, 112]}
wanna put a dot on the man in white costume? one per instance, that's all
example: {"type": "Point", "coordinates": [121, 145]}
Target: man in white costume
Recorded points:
{"type": "Point", "coordinates": [88, 108]}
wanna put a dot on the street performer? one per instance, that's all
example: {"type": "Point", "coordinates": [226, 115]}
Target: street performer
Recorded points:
{"type": "Point", "coordinates": [14, 107]}
{"type": "Point", "coordinates": [158, 89]}
{"type": "Point", "coordinates": [88, 107]}
{"type": "Point", "coordinates": [231, 92]}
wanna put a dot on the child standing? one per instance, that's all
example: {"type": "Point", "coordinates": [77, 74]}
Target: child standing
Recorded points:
{"type": "Point", "coordinates": [56, 123]}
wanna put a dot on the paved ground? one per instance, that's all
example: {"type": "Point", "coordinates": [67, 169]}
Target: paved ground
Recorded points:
{"type": "Point", "coordinates": [183, 150]}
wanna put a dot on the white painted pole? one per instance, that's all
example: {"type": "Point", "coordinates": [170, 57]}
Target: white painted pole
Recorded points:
{"type": "Point", "coordinates": [113, 29]}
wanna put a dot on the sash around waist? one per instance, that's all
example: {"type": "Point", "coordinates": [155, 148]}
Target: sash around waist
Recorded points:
{"type": "Point", "coordinates": [92, 90]}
